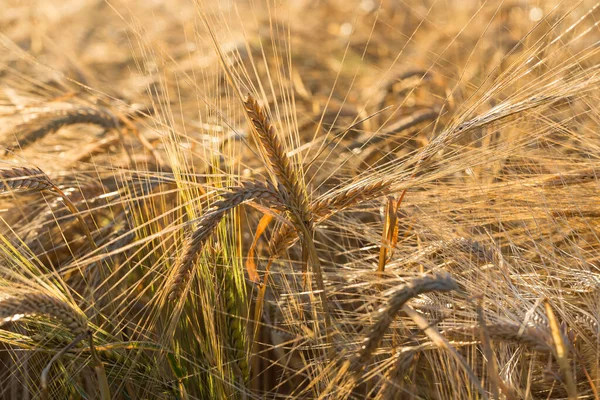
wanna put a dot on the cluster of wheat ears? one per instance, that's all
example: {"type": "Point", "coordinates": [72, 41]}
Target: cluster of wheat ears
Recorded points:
{"type": "Point", "coordinates": [315, 199]}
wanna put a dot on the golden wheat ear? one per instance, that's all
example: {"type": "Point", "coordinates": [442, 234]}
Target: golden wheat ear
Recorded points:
{"type": "Point", "coordinates": [251, 191]}
{"type": "Point", "coordinates": [288, 178]}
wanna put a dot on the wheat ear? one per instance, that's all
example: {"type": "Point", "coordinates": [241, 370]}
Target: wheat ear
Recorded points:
{"type": "Point", "coordinates": [27, 304]}
{"type": "Point", "coordinates": [397, 127]}
{"type": "Point", "coordinates": [287, 177]}
{"type": "Point", "coordinates": [439, 283]}
{"type": "Point", "coordinates": [327, 206]}
{"type": "Point", "coordinates": [21, 178]}
{"type": "Point", "coordinates": [24, 304]}
{"type": "Point", "coordinates": [532, 338]}
{"type": "Point", "coordinates": [251, 191]}
{"type": "Point", "coordinates": [292, 191]}
{"type": "Point", "coordinates": [51, 121]}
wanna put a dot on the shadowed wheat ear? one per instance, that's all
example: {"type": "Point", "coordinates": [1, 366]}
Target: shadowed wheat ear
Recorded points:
{"type": "Point", "coordinates": [251, 191]}
{"type": "Point", "coordinates": [30, 304]}
{"type": "Point", "coordinates": [25, 178]}
{"type": "Point", "coordinates": [532, 338]}
{"type": "Point", "coordinates": [45, 123]}
{"type": "Point", "coordinates": [26, 304]}
{"type": "Point", "coordinates": [22, 178]}
{"type": "Point", "coordinates": [438, 283]}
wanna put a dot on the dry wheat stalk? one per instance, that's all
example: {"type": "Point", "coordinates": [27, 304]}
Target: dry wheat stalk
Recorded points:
{"type": "Point", "coordinates": [438, 283]}
{"type": "Point", "coordinates": [49, 122]}
{"type": "Point", "coordinates": [24, 178]}
{"type": "Point", "coordinates": [250, 191]}
{"type": "Point", "coordinates": [25, 304]}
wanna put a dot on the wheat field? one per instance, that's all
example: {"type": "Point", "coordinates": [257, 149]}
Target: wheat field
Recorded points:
{"type": "Point", "coordinates": [308, 199]}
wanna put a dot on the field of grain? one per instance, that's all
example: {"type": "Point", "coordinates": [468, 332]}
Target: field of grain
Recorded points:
{"type": "Point", "coordinates": [343, 199]}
